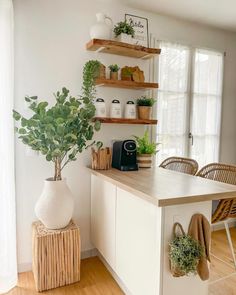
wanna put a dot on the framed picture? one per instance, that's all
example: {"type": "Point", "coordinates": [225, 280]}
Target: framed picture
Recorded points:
{"type": "Point", "coordinates": [140, 25]}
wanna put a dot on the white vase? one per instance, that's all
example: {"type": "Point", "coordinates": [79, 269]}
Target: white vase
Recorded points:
{"type": "Point", "coordinates": [55, 205]}
{"type": "Point", "coordinates": [125, 38]}
{"type": "Point", "coordinates": [101, 30]}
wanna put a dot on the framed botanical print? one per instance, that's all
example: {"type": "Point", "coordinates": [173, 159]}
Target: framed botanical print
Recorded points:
{"type": "Point", "coordinates": [140, 25]}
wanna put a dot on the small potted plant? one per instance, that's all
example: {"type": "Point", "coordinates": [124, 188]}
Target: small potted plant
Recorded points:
{"type": "Point", "coordinates": [114, 72]}
{"type": "Point", "coordinates": [126, 74]}
{"type": "Point", "coordinates": [60, 132]}
{"type": "Point", "coordinates": [124, 32]}
{"type": "Point", "coordinates": [145, 107]}
{"type": "Point", "coordinates": [145, 150]}
{"type": "Point", "coordinates": [184, 254]}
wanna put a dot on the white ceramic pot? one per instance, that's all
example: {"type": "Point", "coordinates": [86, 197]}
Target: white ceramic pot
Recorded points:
{"type": "Point", "coordinates": [55, 205]}
{"type": "Point", "coordinates": [102, 29]}
{"type": "Point", "coordinates": [125, 38]}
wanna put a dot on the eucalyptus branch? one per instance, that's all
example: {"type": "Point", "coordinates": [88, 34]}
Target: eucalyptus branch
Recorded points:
{"type": "Point", "coordinates": [66, 127]}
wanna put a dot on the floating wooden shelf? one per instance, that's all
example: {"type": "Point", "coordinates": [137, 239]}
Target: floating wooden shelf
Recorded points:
{"type": "Point", "coordinates": [125, 121]}
{"type": "Point", "coordinates": [121, 48]}
{"type": "Point", "coordinates": [125, 84]}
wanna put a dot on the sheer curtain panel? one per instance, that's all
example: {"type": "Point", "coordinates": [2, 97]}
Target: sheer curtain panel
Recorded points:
{"type": "Point", "coordinates": [8, 265]}
{"type": "Point", "coordinates": [173, 97]}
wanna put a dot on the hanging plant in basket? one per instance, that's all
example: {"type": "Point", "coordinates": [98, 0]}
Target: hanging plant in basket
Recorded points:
{"type": "Point", "coordinates": [184, 253]}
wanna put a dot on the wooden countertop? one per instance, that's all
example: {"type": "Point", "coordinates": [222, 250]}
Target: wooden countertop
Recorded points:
{"type": "Point", "coordinates": [164, 187]}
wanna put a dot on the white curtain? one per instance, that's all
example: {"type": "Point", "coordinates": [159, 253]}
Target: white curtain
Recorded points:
{"type": "Point", "coordinates": [206, 110]}
{"type": "Point", "coordinates": [173, 97]}
{"type": "Point", "coordinates": [8, 265]}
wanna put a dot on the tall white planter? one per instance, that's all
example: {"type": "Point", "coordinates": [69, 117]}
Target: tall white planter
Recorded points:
{"type": "Point", "coordinates": [55, 205]}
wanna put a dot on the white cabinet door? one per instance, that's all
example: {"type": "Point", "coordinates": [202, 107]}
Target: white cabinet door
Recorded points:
{"type": "Point", "coordinates": [138, 244]}
{"type": "Point", "coordinates": [103, 217]}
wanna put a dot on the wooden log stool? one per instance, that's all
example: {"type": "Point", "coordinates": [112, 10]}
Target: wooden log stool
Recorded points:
{"type": "Point", "coordinates": [56, 256]}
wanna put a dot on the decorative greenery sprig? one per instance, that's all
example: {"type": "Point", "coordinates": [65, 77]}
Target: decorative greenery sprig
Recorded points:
{"type": "Point", "coordinates": [146, 101]}
{"type": "Point", "coordinates": [123, 27]}
{"type": "Point", "coordinates": [114, 68]}
{"type": "Point", "coordinates": [127, 72]}
{"type": "Point", "coordinates": [145, 146]}
{"type": "Point", "coordinates": [63, 130]}
{"type": "Point", "coordinates": [185, 253]}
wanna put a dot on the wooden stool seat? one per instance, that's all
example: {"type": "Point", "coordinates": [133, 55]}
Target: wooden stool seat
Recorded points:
{"type": "Point", "coordinates": [56, 256]}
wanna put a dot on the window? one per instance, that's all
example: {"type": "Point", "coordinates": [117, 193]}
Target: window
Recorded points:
{"type": "Point", "coordinates": [189, 103]}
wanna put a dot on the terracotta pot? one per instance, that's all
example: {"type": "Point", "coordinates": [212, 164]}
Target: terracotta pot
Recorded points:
{"type": "Point", "coordinates": [114, 75]}
{"type": "Point", "coordinates": [144, 112]}
{"type": "Point", "coordinates": [126, 78]}
{"type": "Point", "coordinates": [144, 160]}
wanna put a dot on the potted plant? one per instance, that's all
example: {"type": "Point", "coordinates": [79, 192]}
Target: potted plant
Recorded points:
{"type": "Point", "coordinates": [126, 74]}
{"type": "Point", "coordinates": [145, 107]}
{"type": "Point", "coordinates": [145, 150]}
{"type": "Point", "coordinates": [114, 72]}
{"type": "Point", "coordinates": [184, 254]}
{"type": "Point", "coordinates": [124, 32]}
{"type": "Point", "coordinates": [59, 133]}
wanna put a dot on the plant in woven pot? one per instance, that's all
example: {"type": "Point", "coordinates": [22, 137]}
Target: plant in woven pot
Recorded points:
{"type": "Point", "coordinates": [145, 150]}
{"type": "Point", "coordinates": [145, 105]}
{"type": "Point", "coordinates": [124, 32]}
{"type": "Point", "coordinates": [59, 133]}
{"type": "Point", "coordinates": [184, 253]}
{"type": "Point", "coordinates": [114, 69]}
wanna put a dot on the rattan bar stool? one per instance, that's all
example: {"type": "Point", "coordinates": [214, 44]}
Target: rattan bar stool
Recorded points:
{"type": "Point", "coordinates": [224, 209]}
{"type": "Point", "coordinates": [184, 165]}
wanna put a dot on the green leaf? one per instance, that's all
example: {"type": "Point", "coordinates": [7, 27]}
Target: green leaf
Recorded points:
{"type": "Point", "coordinates": [27, 98]}
{"type": "Point", "coordinates": [16, 115]}
{"type": "Point", "coordinates": [42, 105]}
{"type": "Point", "coordinates": [24, 122]}
{"type": "Point", "coordinates": [97, 125]}
{"type": "Point", "coordinates": [49, 157]}
{"type": "Point", "coordinates": [22, 131]}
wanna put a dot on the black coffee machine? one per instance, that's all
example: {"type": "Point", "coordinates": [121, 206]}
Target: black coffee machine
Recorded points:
{"type": "Point", "coordinates": [124, 155]}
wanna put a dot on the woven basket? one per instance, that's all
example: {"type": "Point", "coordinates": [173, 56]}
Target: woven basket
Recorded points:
{"type": "Point", "coordinates": [175, 271]}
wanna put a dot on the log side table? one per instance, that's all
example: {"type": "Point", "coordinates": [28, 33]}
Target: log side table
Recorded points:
{"type": "Point", "coordinates": [56, 256]}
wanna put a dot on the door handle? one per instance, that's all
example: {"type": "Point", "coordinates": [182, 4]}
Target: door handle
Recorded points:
{"type": "Point", "coordinates": [190, 136]}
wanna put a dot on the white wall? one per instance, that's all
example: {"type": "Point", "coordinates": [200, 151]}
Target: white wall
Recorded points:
{"type": "Point", "coordinates": [50, 39]}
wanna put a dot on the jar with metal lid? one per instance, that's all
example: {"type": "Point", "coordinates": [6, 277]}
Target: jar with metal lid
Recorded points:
{"type": "Point", "coordinates": [115, 110]}
{"type": "Point", "coordinates": [100, 106]}
{"type": "Point", "coordinates": [130, 110]}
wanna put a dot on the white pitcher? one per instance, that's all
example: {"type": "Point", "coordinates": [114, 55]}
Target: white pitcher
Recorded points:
{"type": "Point", "coordinates": [102, 30]}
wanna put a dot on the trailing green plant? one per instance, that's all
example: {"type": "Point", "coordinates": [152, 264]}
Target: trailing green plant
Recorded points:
{"type": "Point", "coordinates": [145, 146]}
{"type": "Point", "coordinates": [146, 101]}
{"type": "Point", "coordinates": [185, 253]}
{"type": "Point", "coordinates": [114, 68]}
{"type": "Point", "coordinates": [123, 27]}
{"type": "Point", "coordinates": [62, 131]}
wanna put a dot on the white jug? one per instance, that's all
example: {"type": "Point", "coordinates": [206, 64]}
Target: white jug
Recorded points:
{"type": "Point", "coordinates": [102, 30]}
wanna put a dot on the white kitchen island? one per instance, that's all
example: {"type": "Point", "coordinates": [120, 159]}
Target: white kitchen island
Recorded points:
{"type": "Point", "coordinates": [132, 217]}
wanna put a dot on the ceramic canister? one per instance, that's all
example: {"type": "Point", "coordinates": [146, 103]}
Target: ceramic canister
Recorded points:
{"type": "Point", "coordinates": [115, 111]}
{"type": "Point", "coordinates": [100, 106]}
{"type": "Point", "coordinates": [130, 110]}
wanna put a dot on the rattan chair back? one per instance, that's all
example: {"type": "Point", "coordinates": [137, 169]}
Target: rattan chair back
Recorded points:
{"type": "Point", "coordinates": [184, 165]}
{"type": "Point", "coordinates": [222, 173]}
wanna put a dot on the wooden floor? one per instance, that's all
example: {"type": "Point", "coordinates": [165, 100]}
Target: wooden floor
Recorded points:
{"type": "Point", "coordinates": [96, 280]}
{"type": "Point", "coordinates": [223, 272]}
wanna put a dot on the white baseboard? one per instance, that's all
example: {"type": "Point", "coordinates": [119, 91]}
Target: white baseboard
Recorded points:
{"type": "Point", "coordinates": [24, 267]}
{"type": "Point", "coordinates": [114, 275]}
